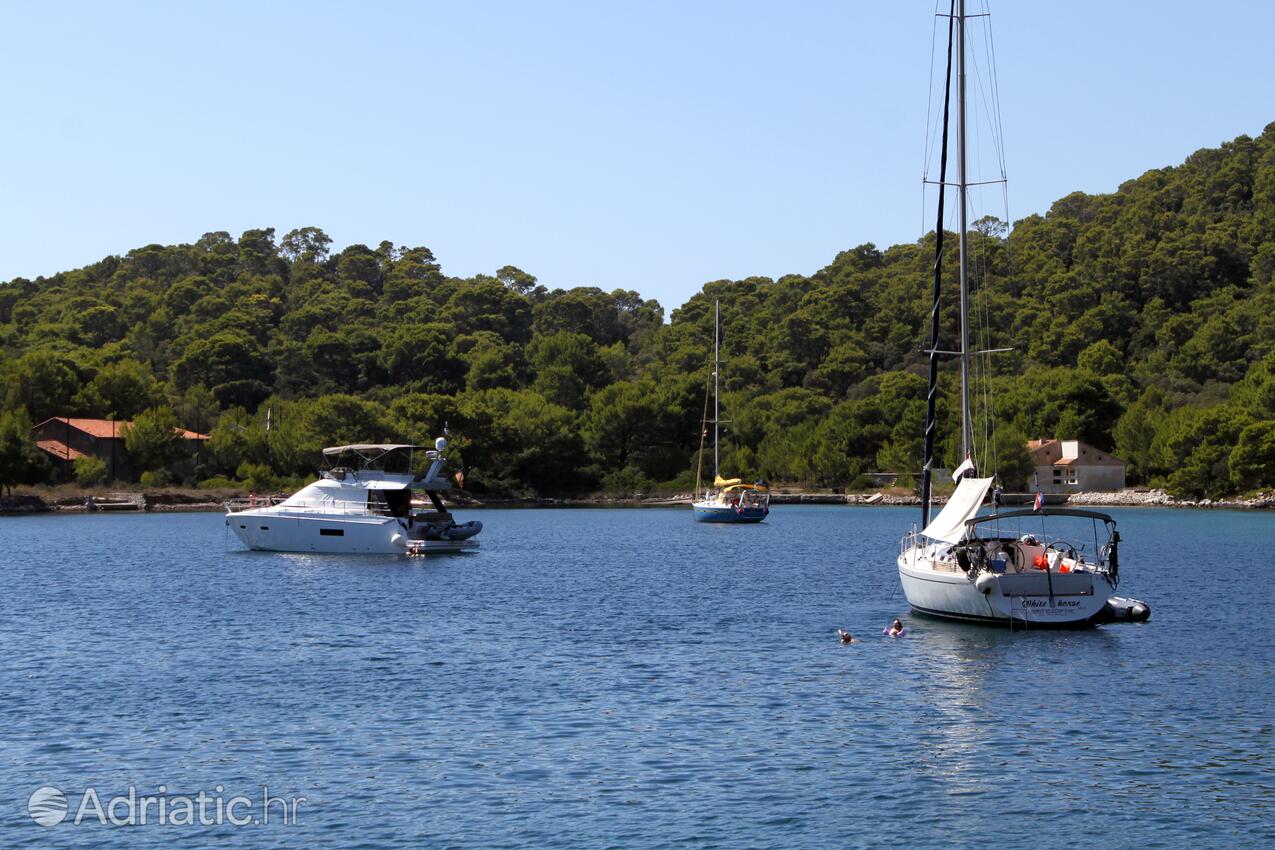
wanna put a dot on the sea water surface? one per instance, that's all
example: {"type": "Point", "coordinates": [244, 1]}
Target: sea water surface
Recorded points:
{"type": "Point", "coordinates": [627, 678]}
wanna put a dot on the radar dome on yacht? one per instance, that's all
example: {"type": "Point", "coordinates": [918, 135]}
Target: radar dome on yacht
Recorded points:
{"type": "Point", "coordinates": [441, 444]}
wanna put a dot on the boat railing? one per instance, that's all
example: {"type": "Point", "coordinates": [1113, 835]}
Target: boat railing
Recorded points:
{"type": "Point", "coordinates": [336, 507]}
{"type": "Point", "coordinates": [325, 506]}
{"type": "Point", "coordinates": [246, 503]}
{"type": "Point", "coordinates": [910, 540]}
{"type": "Point", "coordinates": [1068, 548]}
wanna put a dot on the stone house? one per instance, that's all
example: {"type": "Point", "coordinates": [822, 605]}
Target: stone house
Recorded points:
{"type": "Point", "coordinates": [1070, 466]}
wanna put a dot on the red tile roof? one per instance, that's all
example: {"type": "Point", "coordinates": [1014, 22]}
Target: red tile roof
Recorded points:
{"type": "Point", "coordinates": [59, 449]}
{"type": "Point", "coordinates": [107, 428]}
{"type": "Point", "coordinates": [1050, 452]}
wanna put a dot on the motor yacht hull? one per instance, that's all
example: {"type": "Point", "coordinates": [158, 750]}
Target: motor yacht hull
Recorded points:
{"type": "Point", "coordinates": [938, 589]}
{"type": "Point", "coordinates": [274, 531]}
{"type": "Point", "coordinates": [283, 532]}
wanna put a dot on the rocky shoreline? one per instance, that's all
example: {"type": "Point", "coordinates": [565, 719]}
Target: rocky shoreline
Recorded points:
{"type": "Point", "coordinates": [1120, 499]}
{"type": "Point", "coordinates": [118, 502]}
{"type": "Point", "coordinates": [1159, 498]}
{"type": "Point", "coordinates": [177, 500]}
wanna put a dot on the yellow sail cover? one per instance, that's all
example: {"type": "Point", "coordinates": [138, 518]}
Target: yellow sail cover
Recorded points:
{"type": "Point", "coordinates": [736, 484]}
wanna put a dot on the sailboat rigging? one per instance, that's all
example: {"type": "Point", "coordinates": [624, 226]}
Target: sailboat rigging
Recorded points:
{"type": "Point", "coordinates": [960, 565]}
{"type": "Point", "coordinates": [730, 499]}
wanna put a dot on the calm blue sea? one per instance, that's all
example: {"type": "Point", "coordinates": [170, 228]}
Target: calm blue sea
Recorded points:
{"type": "Point", "coordinates": [626, 678]}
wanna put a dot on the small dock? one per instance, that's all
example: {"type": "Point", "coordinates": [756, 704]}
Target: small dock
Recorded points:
{"type": "Point", "coordinates": [116, 502]}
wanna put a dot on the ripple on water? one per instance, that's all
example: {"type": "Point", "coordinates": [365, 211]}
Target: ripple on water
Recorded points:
{"type": "Point", "coordinates": [630, 678]}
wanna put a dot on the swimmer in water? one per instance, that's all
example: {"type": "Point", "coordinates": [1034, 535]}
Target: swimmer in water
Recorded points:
{"type": "Point", "coordinates": [896, 629]}
{"type": "Point", "coordinates": [845, 636]}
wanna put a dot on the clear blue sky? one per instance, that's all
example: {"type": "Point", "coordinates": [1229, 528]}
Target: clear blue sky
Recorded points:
{"type": "Point", "coordinates": [651, 146]}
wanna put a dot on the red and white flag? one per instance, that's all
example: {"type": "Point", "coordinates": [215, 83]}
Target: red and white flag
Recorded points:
{"type": "Point", "coordinates": [1040, 501]}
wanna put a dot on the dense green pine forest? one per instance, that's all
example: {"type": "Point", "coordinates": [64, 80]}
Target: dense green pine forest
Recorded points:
{"type": "Point", "coordinates": [1142, 321]}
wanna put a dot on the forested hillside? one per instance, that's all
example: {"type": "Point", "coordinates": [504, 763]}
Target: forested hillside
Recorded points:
{"type": "Point", "coordinates": [1143, 322]}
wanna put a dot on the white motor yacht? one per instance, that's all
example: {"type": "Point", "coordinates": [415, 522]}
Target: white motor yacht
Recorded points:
{"type": "Point", "coordinates": [361, 504]}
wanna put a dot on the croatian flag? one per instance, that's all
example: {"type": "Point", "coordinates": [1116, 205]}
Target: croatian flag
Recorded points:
{"type": "Point", "coordinates": [1040, 501]}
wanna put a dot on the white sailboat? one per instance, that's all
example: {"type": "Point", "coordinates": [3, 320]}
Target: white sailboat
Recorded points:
{"type": "Point", "coordinates": [960, 565]}
{"type": "Point", "coordinates": [730, 499]}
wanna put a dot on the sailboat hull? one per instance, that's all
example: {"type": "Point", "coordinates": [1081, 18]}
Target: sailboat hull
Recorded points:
{"type": "Point", "coordinates": [726, 513]}
{"type": "Point", "coordinates": [1059, 600]}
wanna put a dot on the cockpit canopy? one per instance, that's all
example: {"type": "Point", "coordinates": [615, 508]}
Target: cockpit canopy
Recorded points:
{"type": "Point", "coordinates": [379, 457]}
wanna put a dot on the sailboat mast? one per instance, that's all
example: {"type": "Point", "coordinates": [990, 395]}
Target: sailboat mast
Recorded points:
{"type": "Point", "coordinates": [717, 369]}
{"type": "Point", "coordinates": [963, 185]}
{"type": "Point", "coordinates": [927, 469]}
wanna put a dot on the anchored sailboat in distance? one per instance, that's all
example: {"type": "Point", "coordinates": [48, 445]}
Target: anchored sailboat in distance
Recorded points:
{"type": "Point", "coordinates": [730, 500]}
{"type": "Point", "coordinates": [963, 566]}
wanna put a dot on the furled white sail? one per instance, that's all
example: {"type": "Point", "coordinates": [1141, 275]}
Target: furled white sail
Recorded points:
{"type": "Point", "coordinates": [949, 525]}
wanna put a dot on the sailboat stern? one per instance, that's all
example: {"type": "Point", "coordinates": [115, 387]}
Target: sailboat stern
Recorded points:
{"type": "Point", "coordinates": [936, 585]}
{"type": "Point", "coordinates": [1043, 599]}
